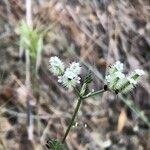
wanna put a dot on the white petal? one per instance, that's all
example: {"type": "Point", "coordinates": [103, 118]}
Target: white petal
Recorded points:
{"type": "Point", "coordinates": [120, 75]}
{"type": "Point", "coordinates": [75, 68]}
{"type": "Point", "coordinates": [132, 81]}
{"type": "Point", "coordinates": [139, 72]}
{"type": "Point", "coordinates": [56, 66]}
{"type": "Point", "coordinates": [118, 65]}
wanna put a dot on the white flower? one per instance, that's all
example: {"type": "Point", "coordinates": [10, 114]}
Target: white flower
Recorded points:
{"type": "Point", "coordinates": [140, 72]}
{"type": "Point", "coordinates": [132, 81]}
{"type": "Point", "coordinates": [69, 79]}
{"type": "Point", "coordinates": [56, 66]}
{"type": "Point", "coordinates": [119, 75]}
{"type": "Point", "coordinates": [113, 79]}
{"type": "Point", "coordinates": [75, 68]}
{"type": "Point", "coordinates": [71, 76]}
{"type": "Point", "coordinates": [136, 74]}
{"type": "Point", "coordinates": [60, 79]}
{"type": "Point", "coordinates": [118, 65]}
{"type": "Point", "coordinates": [108, 78]}
{"type": "Point", "coordinates": [115, 76]}
{"type": "Point", "coordinates": [116, 80]}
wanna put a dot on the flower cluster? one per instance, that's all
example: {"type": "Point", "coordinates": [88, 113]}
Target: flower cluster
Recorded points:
{"type": "Point", "coordinates": [56, 66]}
{"type": "Point", "coordinates": [68, 77]}
{"type": "Point", "coordinates": [118, 82]}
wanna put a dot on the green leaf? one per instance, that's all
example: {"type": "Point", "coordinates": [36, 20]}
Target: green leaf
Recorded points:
{"type": "Point", "coordinates": [54, 144]}
{"type": "Point", "coordinates": [88, 77]}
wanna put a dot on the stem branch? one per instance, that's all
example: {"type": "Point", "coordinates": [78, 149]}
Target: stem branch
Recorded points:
{"type": "Point", "coordinates": [93, 93]}
{"type": "Point", "coordinates": [73, 118]}
{"type": "Point", "coordinates": [77, 109]}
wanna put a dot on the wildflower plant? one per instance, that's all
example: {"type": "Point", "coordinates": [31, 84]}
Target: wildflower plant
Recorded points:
{"type": "Point", "coordinates": [115, 81]}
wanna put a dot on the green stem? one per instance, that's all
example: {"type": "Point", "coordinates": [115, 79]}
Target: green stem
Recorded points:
{"type": "Point", "coordinates": [77, 109]}
{"type": "Point", "coordinates": [73, 118]}
{"type": "Point", "coordinates": [93, 93]}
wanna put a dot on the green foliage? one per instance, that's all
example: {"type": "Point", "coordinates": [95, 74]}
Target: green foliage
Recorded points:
{"type": "Point", "coordinates": [53, 144]}
{"type": "Point", "coordinates": [30, 39]}
{"type": "Point", "coordinates": [88, 77]}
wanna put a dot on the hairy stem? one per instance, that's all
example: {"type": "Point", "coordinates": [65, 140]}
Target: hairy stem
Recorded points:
{"type": "Point", "coordinates": [93, 93]}
{"type": "Point", "coordinates": [77, 109]}
{"type": "Point", "coordinates": [72, 119]}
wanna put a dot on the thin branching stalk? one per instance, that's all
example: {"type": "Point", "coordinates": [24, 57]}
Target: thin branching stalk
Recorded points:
{"type": "Point", "coordinates": [93, 93]}
{"type": "Point", "coordinates": [73, 118]}
{"type": "Point", "coordinates": [80, 99]}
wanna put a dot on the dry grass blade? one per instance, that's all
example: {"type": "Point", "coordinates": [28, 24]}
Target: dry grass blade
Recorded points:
{"type": "Point", "coordinates": [121, 120]}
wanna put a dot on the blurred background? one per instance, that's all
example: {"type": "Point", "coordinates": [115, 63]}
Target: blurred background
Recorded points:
{"type": "Point", "coordinates": [95, 33]}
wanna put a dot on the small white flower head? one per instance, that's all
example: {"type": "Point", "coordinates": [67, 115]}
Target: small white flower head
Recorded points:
{"type": "Point", "coordinates": [118, 65]}
{"type": "Point", "coordinates": [69, 79]}
{"type": "Point", "coordinates": [132, 81]}
{"type": "Point", "coordinates": [113, 79]}
{"type": "Point", "coordinates": [60, 79]}
{"type": "Point", "coordinates": [116, 80]}
{"type": "Point", "coordinates": [140, 72]}
{"type": "Point", "coordinates": [108, 78]}
{"type": "Point", "coordinates": [56, 66]}
{"type": "Point", "coordinates": [136, 74]}
{"type": "Point", "coordinates": [119, 75]}
{"type": "Point", "coordinates": [75, 68]}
